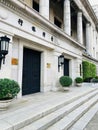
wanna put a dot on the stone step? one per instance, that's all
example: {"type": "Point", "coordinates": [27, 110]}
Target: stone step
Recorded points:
{"type": "Point", "coordinates": [85, 119]}
{"type": "Point", "coordinates": [66, 122]}
{"type": "Point", "coordinates": [25, 116]}
{"type": "Point", "coordinates": [50, 119]}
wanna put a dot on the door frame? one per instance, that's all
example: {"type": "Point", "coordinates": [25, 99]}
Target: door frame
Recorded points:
{"type": "Point", "coordinates": [23, 44]}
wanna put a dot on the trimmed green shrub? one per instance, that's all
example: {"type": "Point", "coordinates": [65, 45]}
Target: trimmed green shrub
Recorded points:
{"type": "Point", "coordinates": [8, 89]}
{"type": "Point", "coordinates": [86, 69]}
{"type": "Point", "coordinates": [65, 81]}
{"type": "Point", "coordinates": [88, 79]}
{"type": "Point", "coordinates": [89, 70]}
{"type": "Point", "coordinates": [78, 80]}
{"type": "Point", "coordinates": [96, 77]}
{"type": "Point", "coordinates": [92, 70]}
{"type": "Point", "coordinates": [94, 80]}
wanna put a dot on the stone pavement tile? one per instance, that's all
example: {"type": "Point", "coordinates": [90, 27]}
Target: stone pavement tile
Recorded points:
{"type": "Point", "coordinates": [5, 125]}
{"type": "Point", "coordinates": [95, 119]}
{"type": "Point", "coordinates": [92, 127]}
{"type": "Point", "coordinates": [93, 124]}
{"type": "Point", "coordinates": [79, 126]}
{"type": "Point", "coordinates": [74, 129]}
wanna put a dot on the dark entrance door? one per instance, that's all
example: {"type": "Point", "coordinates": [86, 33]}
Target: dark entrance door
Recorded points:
{"type": "Point", "coordinates": [31, 71]}
{"type": "Point", "coordinates": [66, 67]}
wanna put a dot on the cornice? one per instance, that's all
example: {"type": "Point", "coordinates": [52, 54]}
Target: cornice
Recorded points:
{"type": "Point", "coordinates": [11, 6]}
{"type": "Point", "coordinates": [90, 11]}
{"type": "Point", "coordinates": [8, 4]}
{"type": "Point", "coordinates": [89, 57]}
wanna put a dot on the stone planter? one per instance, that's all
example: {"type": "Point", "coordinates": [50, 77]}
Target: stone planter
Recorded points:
{"type": "Point", "coordinates": [4, 104]}
{"type": "Point", "coordinates": [66, 88]}
{"type": "Point", "coordinates": [78, 84]}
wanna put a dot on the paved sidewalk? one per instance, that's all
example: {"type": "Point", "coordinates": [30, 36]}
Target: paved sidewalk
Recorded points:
{"type": "Point", "coordinates": [93, 124]}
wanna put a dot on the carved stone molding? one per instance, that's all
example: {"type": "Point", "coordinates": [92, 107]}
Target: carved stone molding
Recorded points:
{"type": "Point", "coordinates": [11, 6]}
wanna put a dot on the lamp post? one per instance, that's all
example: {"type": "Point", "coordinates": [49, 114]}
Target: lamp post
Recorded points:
{"type": "Point", "coordinates": [4, 46]}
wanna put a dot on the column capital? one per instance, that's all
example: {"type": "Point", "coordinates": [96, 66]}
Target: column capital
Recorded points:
{"type": "Point", "coordinates": [80, 13]}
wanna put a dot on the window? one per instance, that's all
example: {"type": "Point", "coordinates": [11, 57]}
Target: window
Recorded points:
{"type": "Point", "coordinates": [35, 6]}
{"type": "Point", "coordinates": [80, 70]}
{"type": "Point", "coordinates": [57, 22]}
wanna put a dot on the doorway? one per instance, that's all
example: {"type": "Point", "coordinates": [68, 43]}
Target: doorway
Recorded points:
{"type": "Point", "coordinates": [31, 71]}
{"type": "Point", "coordinates": [66, 67]}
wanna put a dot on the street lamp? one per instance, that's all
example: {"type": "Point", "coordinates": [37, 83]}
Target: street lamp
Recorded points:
{"type": "Point", "coordinates": [4, 46]}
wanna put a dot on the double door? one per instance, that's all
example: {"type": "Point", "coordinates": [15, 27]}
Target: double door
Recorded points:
{"type": "Point", "coordinates": [31, 71]}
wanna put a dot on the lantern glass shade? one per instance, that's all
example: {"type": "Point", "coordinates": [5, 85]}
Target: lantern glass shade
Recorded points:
{"type": "Point", "coordinates": [61, 59]}
{"type": "Point", "coordinates": [4, 45]}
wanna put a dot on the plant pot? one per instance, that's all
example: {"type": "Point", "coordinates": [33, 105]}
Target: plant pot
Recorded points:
{"type": "Point", "coordinates": [66, 88]}
{"type": "Point", "coordinates": [4, 104]}
{"type": "Point", "coordinates": [79, 84]}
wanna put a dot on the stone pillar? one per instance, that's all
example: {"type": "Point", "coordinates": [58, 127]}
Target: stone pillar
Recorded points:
{"type": "Point", "coordinates": [55, 77]}
{"type": "Point", "coordinates": [67, 17]}
{"type": "Point", "coordinates": [79, 28]}
{"type": "Point", "coordinates": [44, 8]}
{"type": "Point", "coordinates": [44, 81]}
{"type": "Point", "coordinates": [88, 37]}
{"type": "Point", "coordinates": [94, 43]}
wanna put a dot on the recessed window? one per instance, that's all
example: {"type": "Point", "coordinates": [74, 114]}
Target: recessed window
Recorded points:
{"type": "Point", "coordinates": [44, 34]}
{"type": "Point", "coordinates": [57, 22]}
{"type": "Point", "coordinates": [35, 6]}
{"type": "Point", "coordinates": [71, 32]}
{"type": "Point", "coordinates": [51, 38]}
{"type": "Point", "coordinates": [80, 70]}
{"type": "Point", "coordinates": [33, 29]}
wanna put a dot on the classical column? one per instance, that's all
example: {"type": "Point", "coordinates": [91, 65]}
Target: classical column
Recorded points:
{"type": "Point", "coordinates": [67, 17]}
{"type": "Point", "coordinates": [94, 43]}
{"type": "Point", "coordinates": [79, 28]}
{"type": "Point", "coordinates": [44, 8]}
{"type": "Point", "coordinates": [88, 37]}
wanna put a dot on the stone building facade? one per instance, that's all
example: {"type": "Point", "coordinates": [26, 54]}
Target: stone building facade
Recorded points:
{"type": "Point", "coordinates": [95, 8]}
{"type": "Point", "coordinates": [40, 32]}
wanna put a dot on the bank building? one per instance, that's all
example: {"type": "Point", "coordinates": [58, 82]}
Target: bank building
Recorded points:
{"type": "Point", "coordinates": [42, 33]}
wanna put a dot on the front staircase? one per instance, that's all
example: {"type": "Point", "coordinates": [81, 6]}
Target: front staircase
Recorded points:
{"type": "Point", "coordinates": [72, 114]}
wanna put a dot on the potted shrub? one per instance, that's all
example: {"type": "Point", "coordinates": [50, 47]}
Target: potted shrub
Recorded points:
{"type": "Point", "coordinates": [65, 81]}
{"type": "Point", "coordinates": [8, 90]}
{"type": "Point", "coordinates": [94, 80]}
{"type": "Point", "coordinates": [96, 77]}
{"type": "Point", "coordinates": [79, 81]}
